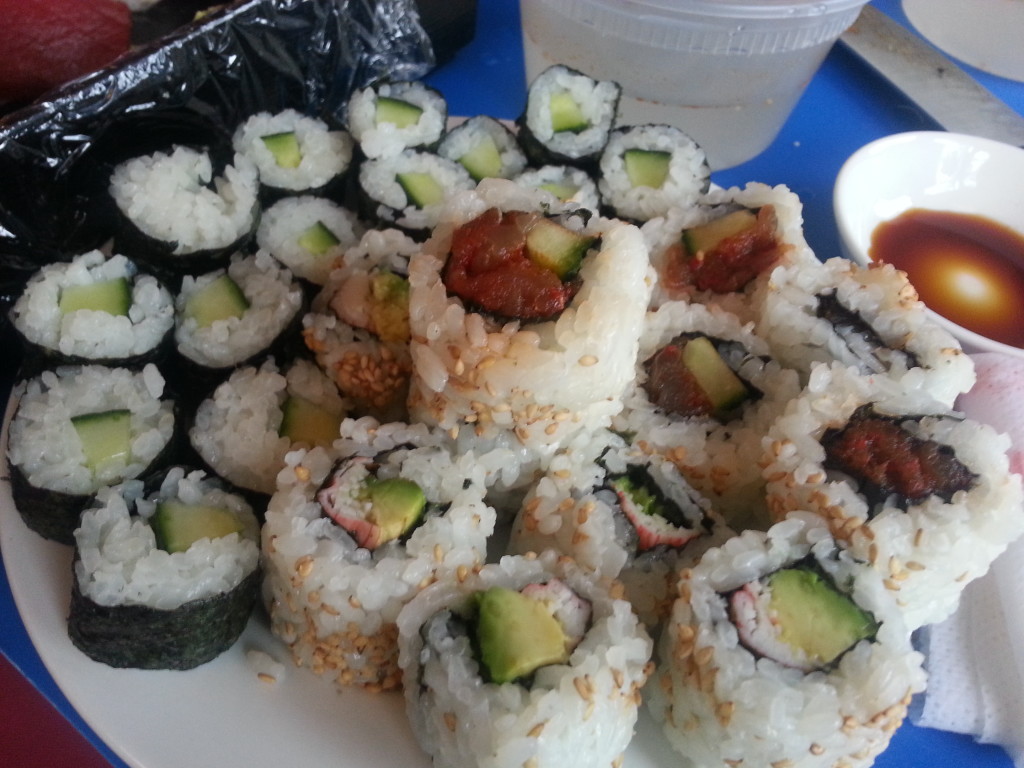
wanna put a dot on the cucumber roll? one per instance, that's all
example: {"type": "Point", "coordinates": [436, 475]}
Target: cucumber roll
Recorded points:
{"type": "Point", "coordinates": [352, 535]}
{"type": "Point", "coordinates": [485, 147]}
{"type": "Point", "coordinates": [79, 428]}
{"type": "Point", "coordinates": [295, 154]}
{"type": "Point", "coordinates": [93, 309]}
{"type": "Point", "coordinates": [165, 580]}
{"type": "Point", "coordinates": [526, 662]}
{"type": "Point", "coordinates": [567, 183]}
{"type": "Point", "coordinates": [919, 492]}
{"type": "Point", "coordinates": [389, 117]}
{"type": "Point", "coordinates": [568, 117]}
{"type": "Point", "coordinates": [783, 650]}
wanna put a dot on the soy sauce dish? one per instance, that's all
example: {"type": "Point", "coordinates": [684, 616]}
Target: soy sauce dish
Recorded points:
{"type": "Point", "coordinates": [945, 208]}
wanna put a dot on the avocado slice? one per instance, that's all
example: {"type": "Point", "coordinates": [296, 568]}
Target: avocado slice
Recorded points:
{"type": "Point", "coordinates": [566, 114]}
{"type": "Point", "coordinates": [105, 436]}
{"type": "Point", "coordinates": [397, 505]}
{"type": "Point", "coordinates": [304, 421]}
{"type": "Point", "coordinates": [724, 389]}
{"type": "Point", "coordinates": [558, 248]}
{"type": "Point", "coordinates": [646, 167]}
{"type": "Point", "coordinates": [516, 634]}
{"type": "Point", "coordinates": [285, 148]}
{"type": "Point", "coordinates": [484, 160]}
{"type": "Point", "coordinates": [318, 239]}
{"type": "Point", "coordinates": [111, 296]}
{"type": "Point", "coordinates": [561, 191]}
{"type": "Point", "coordinates": [178, 525]}
{"type": "Point", "coordinates": [217, 300]}
{"type": "Point", "coordinates": [704, 238]}
{"type": "Point", "coordinates": [400, 114]}
{"type": "Point", "coordinates": [421, 188]}
{"type": "Point", "coordinates": [389, 306]}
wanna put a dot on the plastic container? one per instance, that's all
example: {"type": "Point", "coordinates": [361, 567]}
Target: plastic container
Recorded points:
{"type": "Point", "coordinates": [728, 72]}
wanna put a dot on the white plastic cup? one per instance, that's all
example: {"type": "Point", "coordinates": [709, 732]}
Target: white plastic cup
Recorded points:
{"type": "Point", "coordinates": [727, 72]}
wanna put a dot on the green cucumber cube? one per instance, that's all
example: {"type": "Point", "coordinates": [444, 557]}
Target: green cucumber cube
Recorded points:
{"type": "Point", "coordinates": [304, 421]}
{"type": "Point", "coordinates": [178, 525]}
{"type": "Point", "coordinates": [558, 248]}
{"type": "Point", "coordinates": [215, 301]}
{"type": "Point", "coordinates": [318, 239]}
{"type": "Point", "coordinates": [566, 114]}
{"type": "Point", "coordinates": [285, 149]}
{"type": "Point", "coordinates": [482, 161]}
{"type": "Point", "coordinates": [105, 436]}
{"type": "Point", "coordinates": [421, 188]}
{"type": "Point", "coordinates": [646, 167]}
{"type": "Point", "coordinates": [400, 114]}
{"type": "Point", "coordinates": [719, 382]}
{"type": "Point", "coordinates": [111, 296]}
{"type": "Point", "coordinates": [704, 238]}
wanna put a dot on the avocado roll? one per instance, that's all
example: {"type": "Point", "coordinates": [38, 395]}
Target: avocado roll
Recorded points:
{"type": "Point", "coordinates": [93, 309]}
{"type": "Point", "coordinates": [526, 662]}
{"type": "Point", "coordinates": [164, 579]}
{"type": "Point", "coordinates": [485, 147]}
{"type": "Point", "coordinates": [77, 429]}
{"type": "Point", "coordinates": [389, 117]}
{"type": "Point", "coordinates": [567, 183]}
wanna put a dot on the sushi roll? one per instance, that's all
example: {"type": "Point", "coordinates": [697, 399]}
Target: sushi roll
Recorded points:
{"type": "Point", "coordinates": [782, 650]}
{"type": "Point", "coordinates": [485, 147]}
{"type": "Point", "coordinates": [353, 535]}
{"type": "Point", "coordinates": [567, 183]}
{"type": "Point", "coordinates": [646, 170]}
{"type": "Point", "coordinates": [390, 117]}
{"type": "Point", "coordinates": [184, 211]}
{"type": "Point", "coordinates": [308, 235]}
{"type": "Point", "coordinates": [526, 662]}
{"type": "Point", "coordinates": [77, 429]}
{"type": "Point", "coordinates": [93, 309]}
{"type": "Point", "coordinates": [568, 118]}
{"type": "Point", "coordinates": [165, 579]}
{"type": "Point", "coordinates": [295, 154]}
{"type": "Point", "coordinates": [920, 493]}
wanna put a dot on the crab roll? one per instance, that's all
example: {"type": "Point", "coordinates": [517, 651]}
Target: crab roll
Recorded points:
{"type": "Point", "coordinates": [353, 535]}
{"type": "Point", "coordinates": [184, 211]}
{"type": "Point", "coordinates": [485, 147]}
{"type": "Point", "coordinates": [567, 183]}
{"type": "Point", "coordinates": [527, 662]}
{"type": "Point", "coordinates": [868, 318]}
{"type": "Point", "coordinates": [165, 579]}
{"type": "Point", "coordinates": [389, 117]}
{"type": "Point", "coordinates": [308, 235]}
{"type": "Point", "coordinates": [782, 651]}
{"type": "Point", "coordinates": [295, 154]}
{"type": "Point", "coordinates": [568, 117]}
{"type": "Point", "coordinates": [358, 326]}
{"type": "Point", "coordinates": [79, 428]}
{"type": "Point", "coordinates": [93, 309]}
{"type": "Point", "coordinates": [921, 493]}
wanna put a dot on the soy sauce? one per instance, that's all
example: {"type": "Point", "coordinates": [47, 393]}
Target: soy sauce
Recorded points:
{"type": "Point", "coordinates": [969, 269]}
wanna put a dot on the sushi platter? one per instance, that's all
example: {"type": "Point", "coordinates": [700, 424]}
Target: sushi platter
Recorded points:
{"type": "Point", "coordinates": [282, 693]}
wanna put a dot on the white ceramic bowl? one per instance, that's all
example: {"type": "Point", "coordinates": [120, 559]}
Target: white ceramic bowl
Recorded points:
{"type": "Point", "coordinates": [933, 170]}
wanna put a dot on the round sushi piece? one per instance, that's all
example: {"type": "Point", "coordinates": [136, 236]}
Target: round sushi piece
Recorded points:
{"type": "Point", "coordinates": [79, 428]}
{"type": "Point", "coordinates": [568, 117]}
{"type": "Point", "coordinates": [919, 492]}
{"type": "Point", "coordinates": [782, 650]}
{"type": "Point", "coordinates": [308, 234]}
{"type": "Point", "coordinates": [351, 536]}
{"type": "Point", "coordinates": [295, 153]}
{"type": "Point", "coordinates": [409, 190]}
{"type": "Point", "coordinates": [704, 395]}
{"type": "Point", "coordinates": [485, 147]}
{"type": "Point", "coordinates": [184, 211]}
{"type": "Point", "coordinates": [527, 662]}
{"type": "Point", "coordinates": [245, 428]}
{"type": "Point", "coordinates": [389, 117]}
{"type": "Point", "coordinates": [93, 309]}
{"type": "Point", "coordinates": [567, 183]}
{"type": "Point", "coordinates": [868, 318]}
{"type": "Point", "coordinates": [540, 363]}
{"type": "Point", "coordinates": [358, 326]}
{"type": "Point", "coordinates": [165, 579]}
{"type": "Point", "coordinates": [646, 170]}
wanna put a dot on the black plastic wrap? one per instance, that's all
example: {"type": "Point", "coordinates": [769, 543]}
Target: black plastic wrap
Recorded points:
{"type": "Point", "coordinates": [204, 79]}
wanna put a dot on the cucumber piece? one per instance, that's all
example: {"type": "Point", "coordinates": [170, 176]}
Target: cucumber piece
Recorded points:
{"type": "Point", "coordinates": [217, 300]}
{"type": "Point", "coordinates": [178, 525]}
{"type": "Point", "coordinates": [420, 188]}
{"type": "Point", "coordinates": [554, 247]}
{"type": "Point", "coordinates": [561, 191]}
{"type": "Point", "coordinates": [719, 382]}
{"type": "Point", "coordinates": [285, 148]}
{"type": "Point", "coordinates": [566, 114]}
{"type": "Point", "coordinates": [111, 296]}
{"type": "Point", "coordinates": [105, 436]}
{"type": "Point", "coordinates": [646, 167]}
{"type": "Point", "coordinates": [482, 161]}
{"type": "Point", "coordinates": [318, 239]}
{"type": "Point", "coordinates": [304, 421]}
{"type": "Point", "coordinates": [704, 238]}
{"type": "Point", "coordinates": [400, 114]}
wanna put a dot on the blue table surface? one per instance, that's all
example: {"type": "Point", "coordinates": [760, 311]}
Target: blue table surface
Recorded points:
{"type": "Point", "coordinates": [845, 106]}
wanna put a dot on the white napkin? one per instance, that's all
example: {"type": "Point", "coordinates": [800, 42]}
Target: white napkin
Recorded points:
{"type": "Point", "coordinates": [976, 657]}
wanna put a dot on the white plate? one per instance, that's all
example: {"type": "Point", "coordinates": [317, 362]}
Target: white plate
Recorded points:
{"type": "Point", "coordinates": [219, 714]}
